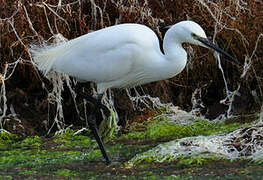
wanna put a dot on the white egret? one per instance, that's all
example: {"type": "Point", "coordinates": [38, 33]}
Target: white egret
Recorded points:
{"type": "Point", "coordinates": [121, 56]}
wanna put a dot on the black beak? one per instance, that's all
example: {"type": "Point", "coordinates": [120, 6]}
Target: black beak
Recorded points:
{"type": "Point", "coordinates": [216, 48]}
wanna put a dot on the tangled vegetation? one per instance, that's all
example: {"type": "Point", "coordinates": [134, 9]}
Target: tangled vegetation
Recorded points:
{"type": "Point", "coordinates": [34, 105]}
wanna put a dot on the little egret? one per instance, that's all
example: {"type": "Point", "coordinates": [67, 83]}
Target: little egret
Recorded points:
{"type": "Point", "coordinates": [121, 56]}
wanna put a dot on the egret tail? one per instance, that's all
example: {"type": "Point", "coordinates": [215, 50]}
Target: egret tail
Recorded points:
{"type": "Point", "coordinates": [45, 55]}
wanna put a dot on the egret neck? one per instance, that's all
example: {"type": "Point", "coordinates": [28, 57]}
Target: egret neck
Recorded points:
{"type": "Point", "coordinates": [174, 54]}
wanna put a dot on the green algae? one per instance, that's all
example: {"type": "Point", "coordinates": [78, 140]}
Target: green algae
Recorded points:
{"type": "Point", "coordinates": [6, 177]}
{"type": "Point", "coordinates": [68, 139]}
{"type": "Point", "coordinates": [198, 160]}
{"type": "Point", "coordinates": [38, 154]}
{"type": "Point", "coordinates": [59, 163]}
{"type": "Point", "coordinates": [163, 129]}
{"type": "Point", "coordinates": [7, 139]}
{"type": "Point", "coordinates": [20, 158]}
{"type": "Point", "coordinates": [34, 141]}
{"type": "Point", "coordinates": [66, 173]}
{"type": "Point", "coordinates": [52, 158]}
{"type": "Point", "coordinates": [70, 155]}
{"type": "Point", "coordinates": [108, 127]}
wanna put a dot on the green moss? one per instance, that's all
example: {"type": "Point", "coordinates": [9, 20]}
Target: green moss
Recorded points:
{"type": "Point", "coordinates": [37, 158]}
{"type": "Point", "coordinates": [27, 172]}
{"type": "Point", "coordinates": [7, 139]}
{"type": "Point", "coordinates": [20, 158]}
{"type": "Point", "coordinates": [206, 128]}
{"type": "Point", "coordinates": [66, 173]}
{"type": "Point", "coordinates": [108, 127]}
{"type": "Point", "coordinates": [162, 129]}
{"type": "Point", "coordinates": [156, 177]}
{"type": "Point", "coordinates": [71, 140]}
{"type": "Point", "coordinates": [94, 154]}
{"type": "Point", "coordinates": [71, 156]}
{"type": "Point", "coordinates": [30, 178]}
{"type": "Point", "coordinates": [6, 177]}
{"type": "Point", "coordinates": [195, 160]}
{"type": "Point", "coordinates": [198, 160]}
{"type": "Point", "coordinates": [38, 162]}
{"type": "Point", "coordinates": [134, 135]}
{"type": "Point", "coordinates": [31, 141]}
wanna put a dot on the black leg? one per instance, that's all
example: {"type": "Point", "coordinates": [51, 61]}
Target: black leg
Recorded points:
{"type": "Point", "coordinates": [92, 100]}
{"type": "Point", "coordinates": [92, 121]}
{"type": "Point", "coordinates": [93, 126]}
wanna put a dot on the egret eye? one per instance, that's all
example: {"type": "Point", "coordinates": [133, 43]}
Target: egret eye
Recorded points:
{"type": "Point", "coordinates": [194, 35]}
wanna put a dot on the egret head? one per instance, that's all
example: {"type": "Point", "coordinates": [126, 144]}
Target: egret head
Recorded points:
{"type": "Point", "coordinates": [191, 32]}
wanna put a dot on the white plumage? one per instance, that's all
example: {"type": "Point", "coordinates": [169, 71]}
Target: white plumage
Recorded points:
{"type": "Point", "coordinates": [122, 55]}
